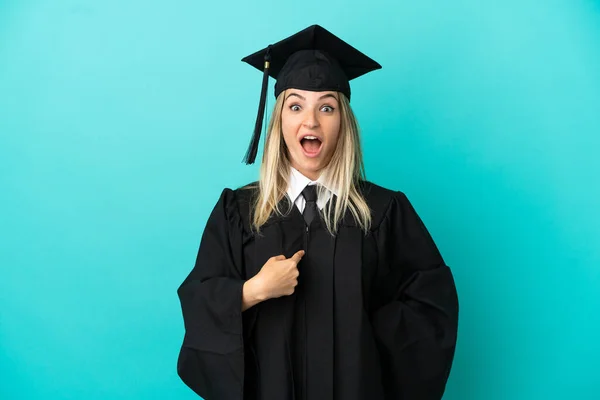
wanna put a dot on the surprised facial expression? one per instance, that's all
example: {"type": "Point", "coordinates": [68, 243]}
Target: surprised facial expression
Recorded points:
{"type": "Point", "coordinates": [311, 125]}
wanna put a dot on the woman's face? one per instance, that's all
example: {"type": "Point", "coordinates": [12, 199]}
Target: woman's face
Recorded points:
{"type": "Point", "coordinates": [311, 126]}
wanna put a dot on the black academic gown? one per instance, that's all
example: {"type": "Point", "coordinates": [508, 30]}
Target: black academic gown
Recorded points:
{"type": "Point", "coordinates": [374, 316]}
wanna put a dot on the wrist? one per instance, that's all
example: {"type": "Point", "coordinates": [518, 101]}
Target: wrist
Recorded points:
{"type": "Point", "coordinates": [255, 291]}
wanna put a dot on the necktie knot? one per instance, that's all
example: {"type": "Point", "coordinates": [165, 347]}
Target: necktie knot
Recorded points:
{"type": "Point", "coordinates": [310, 193]}
{"type": "Point", "coordinates": [310, 209]}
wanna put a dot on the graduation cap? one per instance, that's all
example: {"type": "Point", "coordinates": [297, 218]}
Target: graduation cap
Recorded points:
{"type": "Point", "coordinates": [313, 59]}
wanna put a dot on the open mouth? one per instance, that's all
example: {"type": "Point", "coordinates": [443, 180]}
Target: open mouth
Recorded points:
{"type": "Point", "coordinates": [311, 145]}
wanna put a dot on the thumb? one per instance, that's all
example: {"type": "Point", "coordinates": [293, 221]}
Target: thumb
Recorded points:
{"type": "Point", "coordinates": [279, 257]}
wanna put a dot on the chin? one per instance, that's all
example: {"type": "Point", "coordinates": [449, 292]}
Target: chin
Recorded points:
{"type": "Point", "coordinates": [310, 165]}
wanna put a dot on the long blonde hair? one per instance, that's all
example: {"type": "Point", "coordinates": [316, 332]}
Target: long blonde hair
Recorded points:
{"type": "Point", "coordinates": [344, 171]}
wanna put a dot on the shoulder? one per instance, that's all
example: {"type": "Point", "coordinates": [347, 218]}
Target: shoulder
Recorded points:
{"type": "Point", "coordinates": [375, 192]}
{"type": "Point", "coordinates": [379, 197]}
{"type": "Point", "coordinates": [381, 200]}
{"type": "Point", "coordinates": [245, 196]}
{"type": "Point", "coordinates": [236, 197]}
{"type": "Point", "coordinates": [237, 203]}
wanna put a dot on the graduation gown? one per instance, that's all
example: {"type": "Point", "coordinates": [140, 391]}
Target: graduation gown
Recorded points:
{"type": "Point", "coordinates": [374, 316]}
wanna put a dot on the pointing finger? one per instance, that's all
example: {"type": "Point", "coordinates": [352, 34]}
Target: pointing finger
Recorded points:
{"type": "Point", "coordinates": [298, 256]}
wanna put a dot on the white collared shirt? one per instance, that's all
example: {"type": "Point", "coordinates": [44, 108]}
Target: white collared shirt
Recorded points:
{"type": "Point", "coordinates": [297, 184]}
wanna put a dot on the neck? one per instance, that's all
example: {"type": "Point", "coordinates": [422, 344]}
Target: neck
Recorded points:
{"type": "Point", "coordinates": [312, 175]}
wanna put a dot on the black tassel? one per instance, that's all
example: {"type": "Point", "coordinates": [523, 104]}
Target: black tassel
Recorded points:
{"type": "Point", "coordinates": [253, 147]}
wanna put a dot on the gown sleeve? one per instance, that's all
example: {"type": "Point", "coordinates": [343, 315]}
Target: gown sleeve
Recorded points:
{"type": "Point", "coordinates": [211, 360]}
{"type": "Point", "coordinates": [415, 318]}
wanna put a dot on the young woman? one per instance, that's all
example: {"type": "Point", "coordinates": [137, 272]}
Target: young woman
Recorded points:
{"type": "Point", "coordinates": [313, 283]}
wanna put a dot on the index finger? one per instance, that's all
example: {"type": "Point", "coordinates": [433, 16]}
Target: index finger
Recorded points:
{"type": "Point", "coordinates": [298, 256]}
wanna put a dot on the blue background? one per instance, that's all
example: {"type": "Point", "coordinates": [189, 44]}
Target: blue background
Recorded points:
{"type": "Point", "coordinates": [121, 122]}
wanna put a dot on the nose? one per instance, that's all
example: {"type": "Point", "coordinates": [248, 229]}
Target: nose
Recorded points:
{"type": "Point", "coordinates": [310, 120]}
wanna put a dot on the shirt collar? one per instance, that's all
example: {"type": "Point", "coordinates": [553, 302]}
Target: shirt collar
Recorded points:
{"type": "Point", "coordinates": [298, 182]}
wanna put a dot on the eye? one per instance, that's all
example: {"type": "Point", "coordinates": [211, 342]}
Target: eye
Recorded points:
{"type": "Point", "coordinates": [327, 109]}
{"type": "Point", "coordinates": [295, 107]}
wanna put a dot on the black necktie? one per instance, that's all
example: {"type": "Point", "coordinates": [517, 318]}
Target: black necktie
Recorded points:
{"type": "Point", "coordinates": [310, 208]}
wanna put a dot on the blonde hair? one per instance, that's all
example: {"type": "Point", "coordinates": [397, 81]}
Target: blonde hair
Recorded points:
{"type": "Point", "coordinates": [344, 171]}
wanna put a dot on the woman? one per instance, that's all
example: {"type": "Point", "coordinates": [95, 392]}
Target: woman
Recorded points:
{"type": "Point", "coordinates": [313, 283]}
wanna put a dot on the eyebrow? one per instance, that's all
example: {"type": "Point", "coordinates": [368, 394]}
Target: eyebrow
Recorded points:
{"type": "Point", "coordinates": [303, 98]}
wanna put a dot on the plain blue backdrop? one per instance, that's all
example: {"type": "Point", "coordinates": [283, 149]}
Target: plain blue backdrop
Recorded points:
{"type": "Point", "coordinates": [121, 122]}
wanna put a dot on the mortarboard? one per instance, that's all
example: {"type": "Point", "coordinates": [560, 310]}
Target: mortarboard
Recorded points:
{"type": "Point", "coordinates": [313, 59]}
